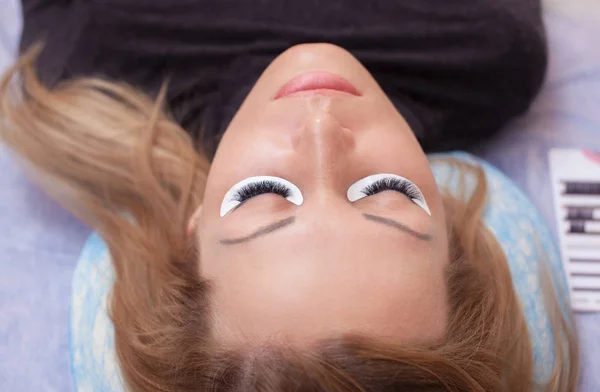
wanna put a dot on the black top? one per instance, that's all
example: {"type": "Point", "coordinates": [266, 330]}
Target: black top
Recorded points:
{"type": "Point", "coordinates": [456, 69]}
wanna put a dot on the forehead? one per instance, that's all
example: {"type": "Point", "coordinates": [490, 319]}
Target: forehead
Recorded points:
{"type": "Point", "coordinates": [302, 285]}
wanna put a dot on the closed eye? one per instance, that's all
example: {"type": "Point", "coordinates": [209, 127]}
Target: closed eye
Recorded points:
{"type": "Point", "coordinates": [255, 186]}
{"type": "Point", "coordinates": [378, 183]}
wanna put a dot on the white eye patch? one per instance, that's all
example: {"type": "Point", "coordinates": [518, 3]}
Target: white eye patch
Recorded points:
{"type": "Point", "coordinates": [377, 183]}
{"type": "Point", "coordinates": [256, 186]}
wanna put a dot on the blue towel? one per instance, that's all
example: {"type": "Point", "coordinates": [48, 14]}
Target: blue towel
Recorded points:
{"type": "Point", "coordinates": [512, 218]}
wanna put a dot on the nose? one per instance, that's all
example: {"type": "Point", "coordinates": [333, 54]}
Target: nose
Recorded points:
{"type": "Point", "coordinates": [322, 143]}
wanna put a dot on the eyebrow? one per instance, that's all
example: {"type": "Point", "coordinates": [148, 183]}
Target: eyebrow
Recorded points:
{"type": "Point", "coordinates": [397, 225]}
{"type": "Point", "coordinates": [265, 230]}
{"type": "Point", "coordinates": [262, 231]}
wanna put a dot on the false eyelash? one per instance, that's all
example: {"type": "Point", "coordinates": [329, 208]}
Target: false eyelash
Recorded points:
{"type": "Point", "coordinates": [254, 189]}
{"type": "Point", "coordinates": [393, 184]}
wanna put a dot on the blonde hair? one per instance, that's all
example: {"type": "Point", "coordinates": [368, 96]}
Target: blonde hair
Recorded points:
{"type": "Point", "coordinates": [120, 163]}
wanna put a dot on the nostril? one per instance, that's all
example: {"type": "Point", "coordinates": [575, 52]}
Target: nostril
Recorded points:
{"type": "Point", "coordinates": [348, 137]}
{"type": "Point", "coordinates": [322, 133]}
{"type": "Point", "coordinates": [296, 140]}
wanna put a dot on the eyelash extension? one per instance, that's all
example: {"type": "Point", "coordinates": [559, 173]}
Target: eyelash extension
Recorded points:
{"type": "Point", "coordinates": [393, 184]}
{"type": "Point", "coordinates": [254, 189]}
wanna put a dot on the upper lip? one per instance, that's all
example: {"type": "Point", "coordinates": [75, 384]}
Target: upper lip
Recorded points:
{"type": "Point", "coordinates": [317, 81]}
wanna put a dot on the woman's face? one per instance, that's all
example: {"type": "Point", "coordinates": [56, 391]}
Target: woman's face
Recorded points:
{"type": "Point", "coordinates": [335, 236]}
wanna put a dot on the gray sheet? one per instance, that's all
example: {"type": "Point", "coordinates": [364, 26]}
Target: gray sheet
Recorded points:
{"type": "Point", "coordinates": [39, 242]}
{"type": "Point", "coordinates": [566, 114]}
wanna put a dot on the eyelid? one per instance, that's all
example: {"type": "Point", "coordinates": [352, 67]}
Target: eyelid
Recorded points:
{"type": "Point", "coordinates": [356, 190]}
{"type": "Point", "coordinates": [230, 202]}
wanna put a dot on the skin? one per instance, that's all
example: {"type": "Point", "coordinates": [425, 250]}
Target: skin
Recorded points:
{"type": "Point", "coordinates": [327, 269]}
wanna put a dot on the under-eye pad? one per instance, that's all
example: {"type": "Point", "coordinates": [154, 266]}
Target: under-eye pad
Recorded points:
{"type": "Point", "coordinates": [512, 218]}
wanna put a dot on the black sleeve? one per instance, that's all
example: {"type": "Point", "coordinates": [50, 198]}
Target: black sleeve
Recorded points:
{"type": "Point", "coordinates": [142, 42]}
{"type": "Point", "coordinates": [473, 66]}
{"type": "Point", "coordinates": [58, 24]}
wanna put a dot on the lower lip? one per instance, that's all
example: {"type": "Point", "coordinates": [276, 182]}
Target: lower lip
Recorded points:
{"type": "Point", "coordinates": [317, 83]}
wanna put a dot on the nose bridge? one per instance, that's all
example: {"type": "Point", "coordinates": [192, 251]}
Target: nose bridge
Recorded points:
{"type": "Point", "coordinates": [322, 142]}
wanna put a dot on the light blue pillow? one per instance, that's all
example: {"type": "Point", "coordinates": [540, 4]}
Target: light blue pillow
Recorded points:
{"type": "Point", "coordinates": [510, 215]}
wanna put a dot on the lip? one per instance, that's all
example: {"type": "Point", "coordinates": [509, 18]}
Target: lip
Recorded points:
{"type": "Point", "coordinates": [317, 83]}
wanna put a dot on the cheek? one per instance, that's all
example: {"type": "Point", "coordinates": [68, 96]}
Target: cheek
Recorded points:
{"type": "Point", "coordinates": [213, 196]}
{"type": "Point", "coordinates": [395, 145]}
{"type": "Point", "coordinates": [401, 154]}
